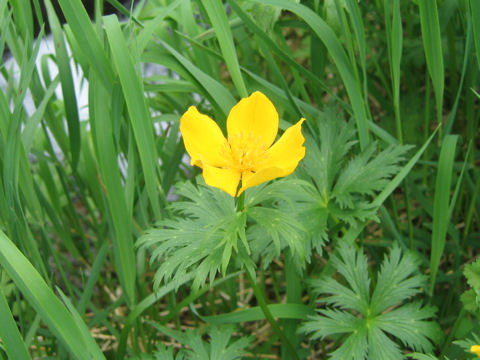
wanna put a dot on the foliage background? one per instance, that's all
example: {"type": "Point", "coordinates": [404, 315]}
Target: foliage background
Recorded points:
{"type": "Point", "coordinates": [77, 194]}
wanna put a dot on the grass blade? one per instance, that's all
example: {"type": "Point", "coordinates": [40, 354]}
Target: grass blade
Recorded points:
{"type": "Point", "coordinates": [60, 322]}
{"type": "Point", "coordinates": [87, 39]}
{"type": "Point", "coordinates": [68, 90]}
{"type": "Point", "coordinates": [344, 66]}
{"type": "Point", "coordinates": [219, 20]}
{"type": "Point", "coordinates": [353, 232]}
{"type": "Point", "coordinates": [137, 110]}
{"type": "Point", "coordinates": [11, 337]}
{"type": "Point", "coordinates": [441, 212]}
{"type": "Point", "coordinates": [475, 9]}
{"type": "Point", "coordinates": [432, 43]}
{"type": "Point", "coordinates": [102, 129]}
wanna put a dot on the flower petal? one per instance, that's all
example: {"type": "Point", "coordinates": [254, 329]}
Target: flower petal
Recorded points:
{"type": "Point", "coordinates": [224, 179]}
{"type": "Point", "coordinates": [281, 159]}
{"type": "Point", "coordinates": [254, 115]}
{"type": "Point", "coordinates": [261, 176]}
{"type": "Point", "coordinates": [202, 137]}
{"type": "Point", "coordinates": [475, 349]}
{"type": "Point", "coordinates": [287, 152]}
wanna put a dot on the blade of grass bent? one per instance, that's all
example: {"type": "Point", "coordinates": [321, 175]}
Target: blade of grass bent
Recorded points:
{"type": "Point", "coordinates": [11, 337]}
{"type": "Point", "coordinates": [283, 311]}
{"type": "Point", "coordinates": [441, 212]}
{"type": "Point", "coordinates": [353, 232]}
{"type": "Point", "coordinates": [281, 53]}
{"type": "Point", "coordinates": [215, 89]}
{"type": "Point", "coordinates": [87, 39]}
{"type": "Point", "coordinates": [43, 300]}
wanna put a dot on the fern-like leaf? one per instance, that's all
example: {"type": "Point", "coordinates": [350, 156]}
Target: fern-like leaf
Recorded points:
{"type": "Point", "coordinates": [370, 319]}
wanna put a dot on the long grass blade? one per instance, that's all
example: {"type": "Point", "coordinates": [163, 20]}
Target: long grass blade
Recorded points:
{"type": "Point", "coordinates": [475, 11]}
{"type": "Point", "coordinates": [432, 43]}
{"type": "Point", "coordinates": [88, 41]}
{"type": "Point", "coordinates": [43, 300]}
{"type": "Point", "coordinates": [100, 114]}
{"type": "Point", "coordinates": [68, 90]}
{"type": "Point", "coordinates": [219, 20]}
{"type": "Point", "coordinates": [139, 115]}
{"type": "Point", "coordinates": [441, 212]}
{"type": "Point", "coordinates": [11, 337]}
{"type": "Point", "coordinates": [337, 52]}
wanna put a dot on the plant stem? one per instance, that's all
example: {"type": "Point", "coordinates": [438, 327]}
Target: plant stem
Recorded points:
{"type": "Point", "coordinates": [240, 202]}
{"type": "Point", "coordinates": [261, 299]}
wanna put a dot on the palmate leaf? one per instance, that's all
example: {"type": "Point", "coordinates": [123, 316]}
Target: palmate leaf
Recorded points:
{"type": "Point", "coordinates": [200, 240]}
{"type": "Point", "coordinates": [472, 274]}
{"type": "Point", "coordinates": [206, 230]}
{"type": "Point", "coordinates": [370, 318]}
{"type": "Point", "coordinates": [221, 344]}
{"type": "Point", "coordinates": [345, 182]}
{"type": "Point", "coordinates": [367, 174]}
{"type": "Point", "coordinates": [274, 220]}
{"type": "Point", "coordinates": [471, 297]}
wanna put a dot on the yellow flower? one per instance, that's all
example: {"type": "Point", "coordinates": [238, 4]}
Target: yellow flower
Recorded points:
{"type": "Point", "coordinates": [247, 155]}
{"type": "Point", "coordinates": [475, 349]}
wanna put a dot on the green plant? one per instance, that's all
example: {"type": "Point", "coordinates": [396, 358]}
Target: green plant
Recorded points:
{"type": "Point", "coordinates": [359, 316]}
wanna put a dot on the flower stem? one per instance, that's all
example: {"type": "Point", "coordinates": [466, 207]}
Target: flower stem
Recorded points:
{"type": "Point", "coordinates": [261, 299]}
{"type": "Point", "coordinates": [240, 202]}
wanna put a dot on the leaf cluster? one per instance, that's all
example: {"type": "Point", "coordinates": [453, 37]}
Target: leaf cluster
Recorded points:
{"type": "Point", "coordinates": [364, 318]}
{"type": "Point", "coordinates": [200, 238]}
{"type": "Point", "coordinates": [221, 345]}
{"type": "Point", "coordinates": [346, 181]}
{"type": "Point", "coordinates": [206, 230]}
{"type": "Point", "coordinates": [471, 297]}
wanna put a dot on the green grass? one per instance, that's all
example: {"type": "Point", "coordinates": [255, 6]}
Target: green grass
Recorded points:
{"type": "Point", "coordinates": [86, 204]}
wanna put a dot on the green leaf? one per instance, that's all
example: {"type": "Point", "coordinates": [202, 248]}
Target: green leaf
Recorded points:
{"type": "Point", "coordinates": [65, 327]}
{"type": "Point", "coordinates": [11, 338]}
{"type": "Point", "coordinates": [219, 20]}
{"type": "Point", "coordinates": [345, 68]}
{"type": "Point", "coordinates": [221, 346]}
{"type": "Point", "coordinates": [344, 189]}
{"type": "Point", "coordinates": [370, 323]}
{"type": "Point", "coordinates": [139, 114]}
{"type": "Point", "coordinates": [200, 239]}
{"type": "Point", "coordinates": [441, 212]}
{"type": "Point", "coordinates": [472, 273]}
{"type": "Point", "coordinates": [432, 43]}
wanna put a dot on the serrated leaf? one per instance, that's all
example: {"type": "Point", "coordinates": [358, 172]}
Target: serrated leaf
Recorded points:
{"type": "Point", "coordinates": [370, 324]}
{"type": "Point", "coordinates": [472, 273]}
{"type": "Point", "coordinates": [344, 181]}
{"type": "Point", "coordinates": [469, 300]}
{"type": "Point", "coordinates": [200, 240]}
{"type": "Point", "coordinates": [220, 347]}
{"type": "Point", "coordinates": [396, 280]}
{"type": "Point", "coordinates": [367, 174]}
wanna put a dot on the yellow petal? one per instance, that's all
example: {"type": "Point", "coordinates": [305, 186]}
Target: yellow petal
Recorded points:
{"type": "Point", "coordinates": [261, 176]}
{"type": "Point", "coordinates": [287, 152]}
{"type": "Point", "coordinates": [281, 159]}
{"type": "Point", "coordinates": [475, 349]}
{"type": "Point", "coordinates": [256, 116]}
{"type": "Point", "coordinates": [224, 179]}
{"type": "Point", "coordinates": [202, 137]}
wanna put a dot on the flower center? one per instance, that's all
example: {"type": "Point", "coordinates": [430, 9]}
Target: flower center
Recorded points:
{"type": "Point", "coordinates": [244, 152]}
